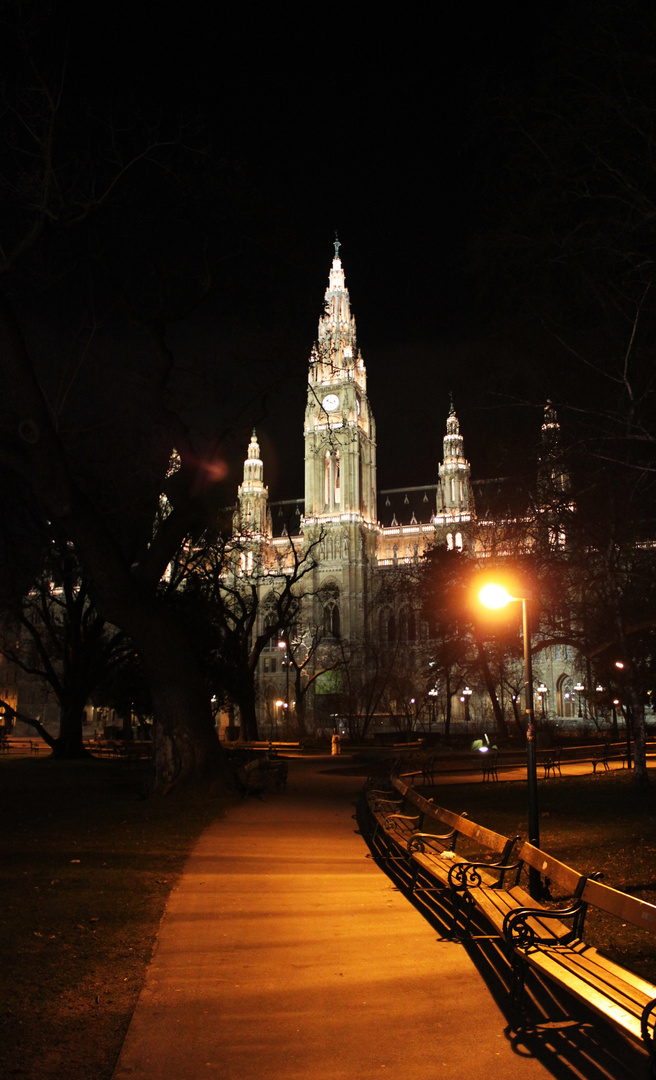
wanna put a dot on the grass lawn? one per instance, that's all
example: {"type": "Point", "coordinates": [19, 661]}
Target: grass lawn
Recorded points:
{"type": "Point", "coordinates": [86, 869]}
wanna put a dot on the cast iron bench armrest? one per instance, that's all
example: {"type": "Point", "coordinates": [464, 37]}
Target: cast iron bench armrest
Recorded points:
{"type": "Point", "coordinates": [519, 935]}
{"type": "Point", "coordinates": [647, 1036]}
{"type": "Point", "coordinates": [465, 875]}
{"type": "Point", "coordinates": [385, 805]}
{"type": "Point", "coordinates": [391, 819]}
{"type": "Point", "coordinates": [418, 840]}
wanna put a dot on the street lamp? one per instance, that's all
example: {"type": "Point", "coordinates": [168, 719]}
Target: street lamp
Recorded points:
{"type": "Point", "coordinates": [543, 691]}
{"type": "Point", "coordinates": [496, 596]}
{"type": "Point", "coordinates": [616, 731]}
{"type": "Point", "coordinates": [282, 644]}
{"type": "Point", "coordinates": [619, 664]}
{"type": "Point", "coordinates": [599, 690]}
{"type": "Point", "coordinates": [432, 694]}
{"type": "Point", "coordinates": [579, 688]}
{"type": "Point", "coordinates": [467, 693]}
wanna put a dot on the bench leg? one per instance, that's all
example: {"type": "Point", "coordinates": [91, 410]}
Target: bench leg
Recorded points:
{"type": "Point", "coordinates": [413, 880]}
{"type": "Point", "coordinates": [461, 905]}
{"type": "Point", "coordinates": [518, 981]}
{"type": "Point", "coordinates": [648, 1036]}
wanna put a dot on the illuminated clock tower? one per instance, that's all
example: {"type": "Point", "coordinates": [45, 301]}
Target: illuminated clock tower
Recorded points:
{"type": "Point", "coordinates": [340, 446]}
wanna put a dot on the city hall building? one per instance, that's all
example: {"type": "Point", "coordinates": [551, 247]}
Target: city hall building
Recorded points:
{"type": "Point", "coordinates": [362, 539]}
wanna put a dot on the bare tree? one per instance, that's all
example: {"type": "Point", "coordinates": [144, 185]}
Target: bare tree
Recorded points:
{"type": "Point", "coordinates": [250, 595]}
{"type": "Point", "coordinates": [63, 643]}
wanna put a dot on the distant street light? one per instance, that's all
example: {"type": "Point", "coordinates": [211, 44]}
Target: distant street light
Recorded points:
{"type": "Point", "coordinates": [599, 690]}
{"type": "Point", "coordinates": [467, 693]}
{"type": "Point", "coordinates": [579, 688]}
{"type": "Point", "coordinates": [619, 664]}
{"type": "Point", "coordinates": [432, 695]}
{"type": "Point", "coordinates": [496, 596]}
{"type": "Point", "coordinates": [542, 691]}
{"type": "Point", "coordinates": [282, 644]}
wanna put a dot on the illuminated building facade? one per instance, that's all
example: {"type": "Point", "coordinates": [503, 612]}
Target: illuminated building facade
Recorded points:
{"type": "Point", "coordinates": [362, 538]}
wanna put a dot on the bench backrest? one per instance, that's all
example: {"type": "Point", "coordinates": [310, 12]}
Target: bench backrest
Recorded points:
{"type": "Point", "coordinates": [461, 824]}
{"type": "Point", "coordinates": [621, 905]}
{"type": "Point", "coordinates": [558, 873]}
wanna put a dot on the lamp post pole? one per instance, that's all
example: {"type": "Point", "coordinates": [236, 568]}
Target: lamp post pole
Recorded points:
{"type": "Point", "coordinates": [579, 690]}
{"type": "Point", "coordinates": [531, 758]}
{"type": "Point", "coordinates": [619, 664]}
{"type": "Point", "coordinates": [432, 694]}
{"type": "Point", "coordinates": [467, 693]}
{"type": "Point", "coordinates": [495, 596]}
{"type": "Point", "coordinates": [543, 691]}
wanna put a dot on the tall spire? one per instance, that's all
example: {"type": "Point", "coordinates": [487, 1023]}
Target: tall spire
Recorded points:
{"type": "Point", "coordinates": [455, 469]}
{"type": "Point", "coordinates": [337, 336]}
{"type": "Point", "coordinates": [340, 433]}
{"type": "Point", "coordinates": [335, 354]}
{"type": "Point", "coordinates": [553, 477]}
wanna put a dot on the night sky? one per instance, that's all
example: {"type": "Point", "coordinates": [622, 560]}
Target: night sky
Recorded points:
{"type": "Point", "coordinates": [391, 129]}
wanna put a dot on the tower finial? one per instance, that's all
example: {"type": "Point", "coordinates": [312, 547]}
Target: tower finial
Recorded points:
{"type": "Point", "coordinates": [452, 407]}
{"type": "Point", "coordinates": [336, 245]}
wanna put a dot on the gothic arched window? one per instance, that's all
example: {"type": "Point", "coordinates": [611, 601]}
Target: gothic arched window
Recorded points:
{"type": "Point", "coordinates": [331, 619]}
{"type": "Point", "coordinates": [386, 625]}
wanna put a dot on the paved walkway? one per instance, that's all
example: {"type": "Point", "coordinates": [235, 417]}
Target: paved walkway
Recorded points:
{"type": "Point", "coordinates": [286, 954]}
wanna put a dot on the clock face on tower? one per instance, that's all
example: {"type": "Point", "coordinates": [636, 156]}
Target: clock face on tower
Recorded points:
{"type": "Point", "coordinates": [330, 402]}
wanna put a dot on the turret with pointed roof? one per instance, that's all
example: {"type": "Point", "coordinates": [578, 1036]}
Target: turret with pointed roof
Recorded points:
{"type": "Point", "coordinates": [254, 517]}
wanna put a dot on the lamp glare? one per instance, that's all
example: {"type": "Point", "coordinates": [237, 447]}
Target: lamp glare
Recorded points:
{"type": "Point", "coordinates": [494, 596]}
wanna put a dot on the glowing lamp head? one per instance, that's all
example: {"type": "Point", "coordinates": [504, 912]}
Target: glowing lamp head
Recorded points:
{"type": "Point", "coordinates": [494, 596]}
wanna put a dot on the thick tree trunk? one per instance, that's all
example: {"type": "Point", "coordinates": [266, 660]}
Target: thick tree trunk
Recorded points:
{"type": "Point", "coordinates": [447, 711]}
{"type": "Point", "coordinates": [69, 744]}
{"type": "Point", "coordinates": [185, 742]}
{"type": "Point", "coordinates": [247, 711]}
{"type": "Point", "coordinates": [635, 702]}
{"type": "Point", "coordinates": [518, 723]}
{"type": "Point", "coordinates": [490, 685]}
{"type": "Point", "coordinates": [300, 696]}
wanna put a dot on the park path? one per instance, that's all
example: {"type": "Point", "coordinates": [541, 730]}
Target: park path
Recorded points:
{"type": "Point", "coordinates": [285, 953]}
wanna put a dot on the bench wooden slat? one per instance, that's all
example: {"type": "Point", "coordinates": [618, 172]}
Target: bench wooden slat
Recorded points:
{"type": "Point", "coordinates": [548, 962]}
{"type": "Point", "coordinates": [621, 905]}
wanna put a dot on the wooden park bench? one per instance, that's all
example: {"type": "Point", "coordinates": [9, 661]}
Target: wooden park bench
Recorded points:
{"type": "Point", "coordinates": [258, 774]}
{"type": "Point", "coordinates": [507, 892]}
{"type": "Point", "coordinates": [624, 999]}
{"type": "Point", "coordinates": [489, 765]}
{"type": "Point", "coordinates": [548, 937]}
{"type": "Point", "coordinates": [596, 754]}
{"type": "Point", "coordinates": [549, 761]}
{"type": "Point", "coordinates": [22, 745]}
{"type": "Point", "coordinates": [425, 842]}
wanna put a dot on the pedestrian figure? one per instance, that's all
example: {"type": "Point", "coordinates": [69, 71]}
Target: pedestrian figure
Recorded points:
{"type": "Point", "coordinates": [335, 749]}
